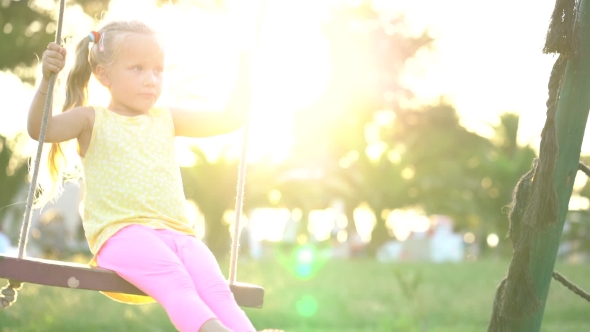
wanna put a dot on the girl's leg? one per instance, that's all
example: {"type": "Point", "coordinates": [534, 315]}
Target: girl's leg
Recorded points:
{"type": "Point", "coordinates": [146, 258]}
{"type": "Point", "coordinates": [210, 283]}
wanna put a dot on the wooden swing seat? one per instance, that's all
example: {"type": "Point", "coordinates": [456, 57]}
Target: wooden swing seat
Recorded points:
{"type": "Point", "coordinates": [80, 276]}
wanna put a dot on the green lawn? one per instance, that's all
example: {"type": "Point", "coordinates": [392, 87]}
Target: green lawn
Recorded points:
{"type": "Point", "coordinates": [340, 296]}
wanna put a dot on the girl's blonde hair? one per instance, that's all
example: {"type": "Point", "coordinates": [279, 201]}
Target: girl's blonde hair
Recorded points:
{"type": "Point", "coordinates": [103, 52]}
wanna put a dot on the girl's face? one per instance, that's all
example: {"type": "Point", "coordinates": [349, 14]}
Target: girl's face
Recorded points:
{"type": "Point", "coordinates": [135, 78]}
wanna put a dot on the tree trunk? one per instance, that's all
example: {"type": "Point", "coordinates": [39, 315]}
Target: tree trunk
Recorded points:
{"type": "Point", "coordinates": [216, 233]}
{"type": "Point", "coordinates": [349, 211]}
{"type": "Point", "coordinates": [379, 235]}
{"type": "Point", "coordinates": [570, 122]}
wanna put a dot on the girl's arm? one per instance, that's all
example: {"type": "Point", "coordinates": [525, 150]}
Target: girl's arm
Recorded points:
{"type": "Point", "coordinates": [191, 123]}
{"type": "Point", "coordinates": [64, 126]}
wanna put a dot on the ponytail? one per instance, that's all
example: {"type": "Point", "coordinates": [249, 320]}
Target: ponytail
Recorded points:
{"type": "Point", "coordinates": [76, 95]}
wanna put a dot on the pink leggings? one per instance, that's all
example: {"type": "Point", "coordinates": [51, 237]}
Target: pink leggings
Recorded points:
{"type": "Point", "coordinates": [179, 272]}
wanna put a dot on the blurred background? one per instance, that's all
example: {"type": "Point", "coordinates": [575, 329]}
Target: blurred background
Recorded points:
{"type": "Point", "coordinates": [386, 138]}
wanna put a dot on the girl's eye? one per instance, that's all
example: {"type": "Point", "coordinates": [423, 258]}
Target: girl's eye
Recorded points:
{"type": "Point", "coordinates": [137, 68]}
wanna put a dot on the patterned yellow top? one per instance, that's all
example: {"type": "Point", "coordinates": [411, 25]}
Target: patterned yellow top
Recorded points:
{"type": "Point", "coordinates": [131, 176]}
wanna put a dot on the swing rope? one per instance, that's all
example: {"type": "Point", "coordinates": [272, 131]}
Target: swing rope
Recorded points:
{"type": "Point", "coordinates": [235, 246]}
{"type": "Point", "coordinates": [24, 232]}
{"type": "Point", "coordinates": [9, 293]}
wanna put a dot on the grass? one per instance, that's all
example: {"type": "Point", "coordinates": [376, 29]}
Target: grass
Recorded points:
{"type": "Point", "coordinates": [359, 295]}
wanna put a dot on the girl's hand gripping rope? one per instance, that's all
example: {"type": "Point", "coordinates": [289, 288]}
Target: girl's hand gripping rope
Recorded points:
{"type": "Point", "coordinates": [54, 59]}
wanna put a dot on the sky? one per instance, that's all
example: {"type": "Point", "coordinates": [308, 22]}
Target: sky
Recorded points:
{"type": "Point", "coordinates": [486, 60]}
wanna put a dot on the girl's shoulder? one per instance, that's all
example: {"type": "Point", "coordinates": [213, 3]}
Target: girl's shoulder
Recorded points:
{"type": "Point", "coordinates": [80, 113]}
{"type": "Point", "coordinates": [88, 112]}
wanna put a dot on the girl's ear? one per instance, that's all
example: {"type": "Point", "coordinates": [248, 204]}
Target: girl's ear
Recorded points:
{"type": "Point", "coordinates": [102, 75]}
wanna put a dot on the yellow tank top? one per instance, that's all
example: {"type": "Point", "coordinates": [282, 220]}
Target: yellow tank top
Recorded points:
{"type": "Point", "coordinates": [131, 176]}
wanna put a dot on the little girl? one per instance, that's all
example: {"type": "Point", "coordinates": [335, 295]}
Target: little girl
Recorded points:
{"type": "Point", "coordinates": [134, 205]}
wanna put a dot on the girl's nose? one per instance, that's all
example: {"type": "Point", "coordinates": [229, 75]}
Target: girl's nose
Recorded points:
{"type": "Point", "coordinates": [150, 79]}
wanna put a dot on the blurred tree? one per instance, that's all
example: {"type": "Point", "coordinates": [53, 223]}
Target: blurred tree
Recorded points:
{"type": "Point", "coordinates": [459, 173]}
{"type": "Point", "coordinates": [260, 181]}
{"type": "Point", "coordinates": [576, 232]}
{"type": "Point", "coordinates": [212, 185]}
{"type": "Point", "coordinates": [341, 133]}
{"type": "Point", "coordinates": [393, 156]}
{"type": "Point", "coordinates": [26, 31]}
{"type": "Point", "coordinates": [308, 186]}
{"type": "Point", "coordinates": [500, 170]}
{"type": "Point", "coordinates": [442, 161]}
{"type": "Point", "coordinates": [585, 191]}
{"type": "Point", "coordinates": [27, 27]}
{"type": "Point", "coordinates": [13, 172]}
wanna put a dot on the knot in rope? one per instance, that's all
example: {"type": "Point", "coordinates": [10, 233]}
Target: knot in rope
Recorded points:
{"type": "Point", "coordinates": [9, 293]}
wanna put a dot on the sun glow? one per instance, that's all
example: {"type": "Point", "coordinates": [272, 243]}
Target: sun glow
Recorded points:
{"type": "Point", "coordinates": [290, 67]}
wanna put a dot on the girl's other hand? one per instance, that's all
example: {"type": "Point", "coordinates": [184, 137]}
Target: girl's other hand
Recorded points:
{"type": "Point", "coordinates": [54, 59]}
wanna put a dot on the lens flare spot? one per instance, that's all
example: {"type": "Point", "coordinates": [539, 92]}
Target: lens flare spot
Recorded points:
{"type": "Point", "coordinates": [304, 261]}
{"type": "Point", "coordinates": [304, 271]}
{"type": "Point", "coordinates": [305, 256]}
